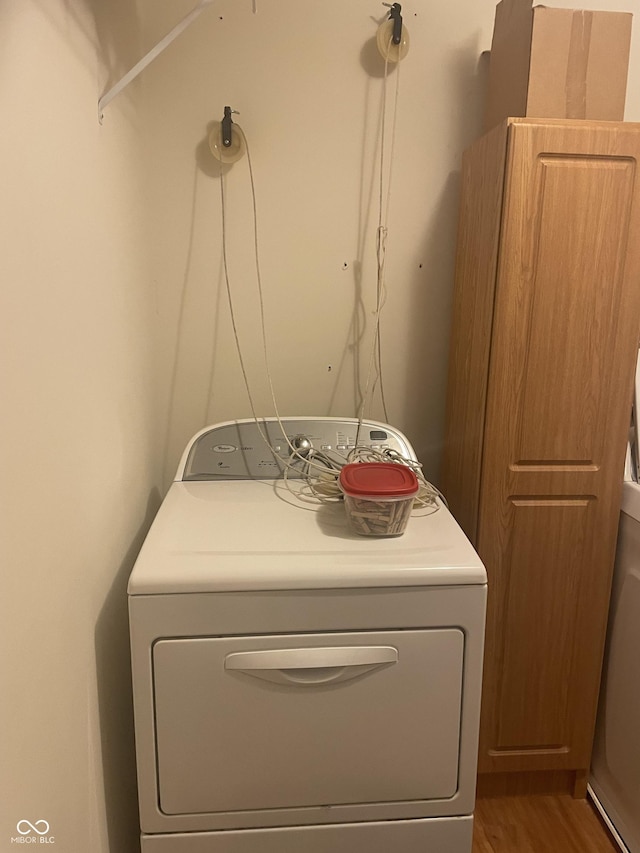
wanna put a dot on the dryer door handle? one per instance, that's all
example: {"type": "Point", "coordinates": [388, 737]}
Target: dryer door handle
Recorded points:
{"type": "Point", "coordinates": [311, 666]}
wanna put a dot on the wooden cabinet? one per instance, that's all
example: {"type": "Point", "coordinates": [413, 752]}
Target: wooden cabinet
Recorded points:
{"type": "Point", "coordinates": [544, 342]}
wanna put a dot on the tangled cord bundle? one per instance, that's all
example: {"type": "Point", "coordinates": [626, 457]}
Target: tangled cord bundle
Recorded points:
{"type": "Point", "coordinates": [319, 472]}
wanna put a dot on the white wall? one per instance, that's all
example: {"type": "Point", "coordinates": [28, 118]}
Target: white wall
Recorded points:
{"type": "Point", "coordinates": [79, 471]}
{"type": "Point", "coordinates": [308, 85]}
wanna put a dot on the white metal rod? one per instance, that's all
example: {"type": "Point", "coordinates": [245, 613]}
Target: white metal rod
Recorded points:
{"type": "Point", "coordinates": [149, 57]}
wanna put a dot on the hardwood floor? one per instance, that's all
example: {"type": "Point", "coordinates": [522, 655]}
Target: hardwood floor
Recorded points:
{"type": "Point", "coordinates": [539, 824]}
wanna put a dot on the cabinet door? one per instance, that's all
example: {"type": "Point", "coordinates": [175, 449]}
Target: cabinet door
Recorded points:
{"type": "Point", "coordinates": [565, 334]}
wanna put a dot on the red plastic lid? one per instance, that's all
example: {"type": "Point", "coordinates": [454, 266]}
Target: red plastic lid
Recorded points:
{"type": "Point", "coordinates": [378, 479]}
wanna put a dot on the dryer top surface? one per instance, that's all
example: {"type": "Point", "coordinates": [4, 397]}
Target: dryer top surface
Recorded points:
{"type": "Point", "coordinates": [255, 535]}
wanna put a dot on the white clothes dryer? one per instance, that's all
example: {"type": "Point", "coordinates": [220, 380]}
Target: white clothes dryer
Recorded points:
{"type": "Point", "coordinates": [298, 687]}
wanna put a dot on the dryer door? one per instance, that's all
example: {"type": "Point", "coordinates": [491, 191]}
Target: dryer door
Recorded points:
{"type": "Point", "coordinates": [304, 720]}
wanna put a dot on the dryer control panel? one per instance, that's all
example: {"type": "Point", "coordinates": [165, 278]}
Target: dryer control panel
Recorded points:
{"type": "Point", "coordinates": [259, 449]}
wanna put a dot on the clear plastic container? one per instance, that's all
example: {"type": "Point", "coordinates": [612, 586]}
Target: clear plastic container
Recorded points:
{"type": "Point", "coordinates": [378, 497]}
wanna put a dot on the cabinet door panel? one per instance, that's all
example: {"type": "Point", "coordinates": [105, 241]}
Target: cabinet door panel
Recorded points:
{"type": "Point", "coordinates": [565, 331]}
{"type": "Point", "coordinates": [537, 644]}
{"type": "Point", "coordinates": [582, 229]}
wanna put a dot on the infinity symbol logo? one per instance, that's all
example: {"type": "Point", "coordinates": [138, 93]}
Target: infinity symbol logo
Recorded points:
{"type": "Point", "coordinates": [32, 827]}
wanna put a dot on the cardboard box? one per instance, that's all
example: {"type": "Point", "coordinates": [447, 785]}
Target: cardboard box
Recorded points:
{"type": "Point", "coordinates": [557, 63]}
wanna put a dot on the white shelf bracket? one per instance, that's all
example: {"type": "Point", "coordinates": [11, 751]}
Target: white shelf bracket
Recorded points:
{"type": "Point", "coordinates": [139, 67]}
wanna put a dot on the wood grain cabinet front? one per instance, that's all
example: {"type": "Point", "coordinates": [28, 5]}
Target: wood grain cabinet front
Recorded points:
{"type": "Point", "coordinates": [544, 342]}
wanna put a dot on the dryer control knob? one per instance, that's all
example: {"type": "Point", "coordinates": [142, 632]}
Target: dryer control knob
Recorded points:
{"type": "Point", "coordinates": [302, 445]}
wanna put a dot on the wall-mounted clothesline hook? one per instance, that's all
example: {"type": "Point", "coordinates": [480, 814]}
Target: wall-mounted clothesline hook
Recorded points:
{"type": "Point", "coordinates": [226, 126]}
{"type": "Point", "coordinates": [226, 139]}
{"type": "Point", "coordinates": [396, 17]}
{"type": "Point", "coordinates": [392, 37]}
